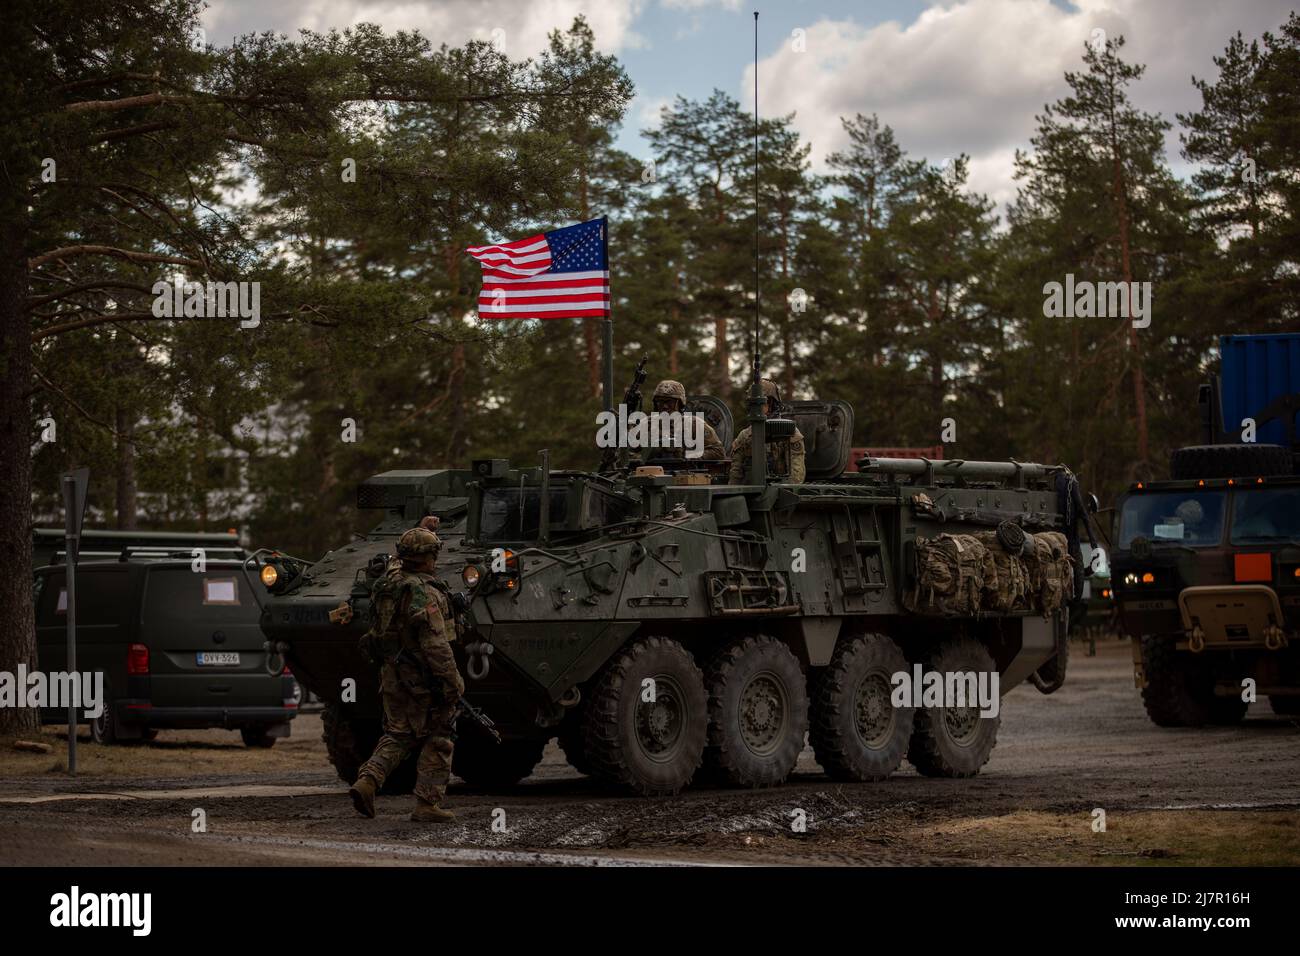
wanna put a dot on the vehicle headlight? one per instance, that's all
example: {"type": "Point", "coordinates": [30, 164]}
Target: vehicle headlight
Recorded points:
{"type": "Point", "coordinates": [269, 575]}
{"type": "Point", "coordinates": [1130, 578]}
{"type": "Point", "coordinates": [470, 575]}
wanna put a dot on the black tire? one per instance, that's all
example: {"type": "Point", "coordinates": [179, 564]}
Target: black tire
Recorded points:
{"type": "Point", "coordinates": [1229, 461]}
{"type": "Point", "coordinates": [485, 764]}
{"type": "Point", "coordinates": [1284, 706]}
{"type": "Point", "coordinates": [649, 748]}
{"type": "Point", "coordinates": [758, 713]}
{"type": "Point", "coordinates": [1178, 688]}
{"type": "Point", "coordinates": [349, 742]}
{"type": "Point", "coordinates": [257, 738]}
{"type": "Point", "coordinates": [104, 729]}
{"type": "Point", "coordinates": [954, 741]}
{"type": "Point", "coordinates": [1226, 711]}
{"type": "Point", "coordinates": [571, 738]}
{"type": "Point", "coordinates": [857, 733]}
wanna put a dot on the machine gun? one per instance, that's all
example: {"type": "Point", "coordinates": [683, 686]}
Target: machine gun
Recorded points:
{"type": "Point", "coordinates": [616, 458]}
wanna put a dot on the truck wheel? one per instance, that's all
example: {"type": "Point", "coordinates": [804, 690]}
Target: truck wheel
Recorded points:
{"type": "Point", "coordinates": [103, 729]}
{"type": "Point", "coordinates": [651, 747]}
{"type": "Point", "coordinates": [1284, 706]}
{"type": "Point", "coordinates": [758, 713]}
{"type": "Point", "coordinates": [487, 765]}
{"type": "Point", "coordinates": [1227, 711]}
{"type": "Point", "coordinates": [1229, 461]}
{"type": "Point", "coordinates": [349, 742]}
{"type": "Point", "coordinates": [954, 741]}
{"type": "Point", "coordinates": [570, 738]}
{"type": "Point", "coordinates": [256, 737]}
{"type": "Point", "coordinates": [857, 732]}
{"type": "Point", "coordinates": [1177, 693]}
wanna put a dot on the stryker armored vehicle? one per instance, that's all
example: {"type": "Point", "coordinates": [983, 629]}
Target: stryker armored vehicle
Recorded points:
{"type": "Point", "coordinates": [667, 626]}
{"type": "Point", "coordinates": [1206, 568]}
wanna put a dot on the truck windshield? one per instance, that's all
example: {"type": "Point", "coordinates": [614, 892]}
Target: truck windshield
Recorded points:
{"type": "Point", "coordinates": [1192, 519]}
{"type": "Point", "coordinates": [513, 514]}
{"type": "Point", "coordinates": [1266, 514]}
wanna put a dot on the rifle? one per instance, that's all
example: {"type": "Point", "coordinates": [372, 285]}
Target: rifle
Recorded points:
{"type": "Point", "coordinates": [632, 399]}
{"type": "Point", "coordinates": [466, 709]}
{"type": "Point", "coordinates": [463, 707]}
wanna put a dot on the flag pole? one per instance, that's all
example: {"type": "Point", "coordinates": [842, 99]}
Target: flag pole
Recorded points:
{"type": "Point", "coordinates": [607, 330]}
{"type": "Point", "coordinates": [756, 406]}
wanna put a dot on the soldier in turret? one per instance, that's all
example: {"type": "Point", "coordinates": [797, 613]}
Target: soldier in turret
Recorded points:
{"type": "Point", "coordinates": [670, 396]}
{"type": "Point", "coordinates": [787, 458]}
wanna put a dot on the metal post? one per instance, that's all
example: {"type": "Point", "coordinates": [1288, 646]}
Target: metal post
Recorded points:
{"type": "Point", "coordinates": [70, 578]}
{"type": "Point", "coordinates": [607, 361]}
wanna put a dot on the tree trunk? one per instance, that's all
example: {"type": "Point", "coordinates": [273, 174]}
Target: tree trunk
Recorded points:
{"type": "Point", "coordinates": [723, 358]}
{"type": "Point", "coordinates": [17, 626]}
{"type": "Point", "coordinates": [126, 484]}
{"type": "Point", "coordinates": [1126, 267]}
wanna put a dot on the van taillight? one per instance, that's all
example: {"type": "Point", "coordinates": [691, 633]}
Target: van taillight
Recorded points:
{"type": "Point", "coordinates": [137, 659]}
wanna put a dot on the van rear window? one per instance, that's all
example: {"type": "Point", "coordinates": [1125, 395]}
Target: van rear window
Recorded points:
{"type": "Point", "coordinates": [178, 594]}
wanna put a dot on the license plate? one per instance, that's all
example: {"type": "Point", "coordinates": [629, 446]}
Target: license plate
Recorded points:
{"type": "Point", "coordinates": [218, 658]}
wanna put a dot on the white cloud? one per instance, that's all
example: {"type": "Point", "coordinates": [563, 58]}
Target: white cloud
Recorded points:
{"type": "Point", "coordinates": [700, 4]}
{"type": "Point", "coordinates": [525, 25]}
{"type": "Point", "coordinates": [970, 76]}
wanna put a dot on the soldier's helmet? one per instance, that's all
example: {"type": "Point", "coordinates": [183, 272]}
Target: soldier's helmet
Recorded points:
{"type": "Point", "coordinates": [670, 389]}
{"type": "Point", "coordinates": [770, 389]}
{"type": "Point", "coordinates": [416, 543]}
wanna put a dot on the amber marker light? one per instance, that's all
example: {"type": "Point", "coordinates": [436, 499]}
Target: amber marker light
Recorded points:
{"type": "Point", "coordinates": [1148, 578]}
{"type": "Point", "coordinates": [269, 575]}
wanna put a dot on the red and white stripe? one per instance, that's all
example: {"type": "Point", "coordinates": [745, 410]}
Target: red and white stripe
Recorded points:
{"type": "Point", "coordinates": [517, 285]}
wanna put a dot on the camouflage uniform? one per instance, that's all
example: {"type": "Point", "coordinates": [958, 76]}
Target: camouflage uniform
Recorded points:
{"type": "Point", "coordinates": [713, 449]}
{"type": "Point", "coordinates": [785, 458]}
{"type": "Point", "coordinates": [413, 630]}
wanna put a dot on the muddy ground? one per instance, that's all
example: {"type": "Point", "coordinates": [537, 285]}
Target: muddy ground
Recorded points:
{"type": "Point", "coordinates": [1213, 796]}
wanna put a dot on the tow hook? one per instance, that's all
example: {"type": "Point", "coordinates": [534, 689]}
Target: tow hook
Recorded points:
{"type": "Point", "coordinates": [477, 664]}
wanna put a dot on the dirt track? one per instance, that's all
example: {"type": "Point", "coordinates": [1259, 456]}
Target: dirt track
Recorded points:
{"type": "Point", "coordinates": [1217, 796]}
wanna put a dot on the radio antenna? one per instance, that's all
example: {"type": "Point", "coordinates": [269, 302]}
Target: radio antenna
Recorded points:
{"type": "Point", "coordinates": [756, 406]}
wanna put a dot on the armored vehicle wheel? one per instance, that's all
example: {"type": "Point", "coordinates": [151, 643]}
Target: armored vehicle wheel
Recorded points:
{"type": "Point", "coordinates": [350, 741]}
{"type": "Point", "coordinates": [1178, 691]}
{"type": "Point", "coordinates": [954, 741]}
{"type": "Point", "coordinates": [856, 731]}
{"type": "Point", "coordinates": [570, 738]}
{"type": "Point", "coordinates": [487, 765]}
{"type": "Point", "coordinates": [758, 713]}
{"type": "Point", "coordinates": [651, 747]}
{"type": "Point", "coordinates": [1284, 706]}
{"type": "Point", "coordinates": [1227, 710]}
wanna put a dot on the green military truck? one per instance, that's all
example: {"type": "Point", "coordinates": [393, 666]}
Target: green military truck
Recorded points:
{"type": "Point", "coordinates": [1206, 565]}
{"type": "Point", "coordinates": [667, 626]}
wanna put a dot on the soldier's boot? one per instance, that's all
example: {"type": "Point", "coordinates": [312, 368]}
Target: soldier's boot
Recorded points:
{"type": "Point", "coordinates": [363, 795]}
{"type": "Point", "coordinates": [426, 812]}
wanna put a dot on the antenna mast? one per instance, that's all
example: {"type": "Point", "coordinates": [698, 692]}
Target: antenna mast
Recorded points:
{"type": "Point", "coordinates": [756, 405]}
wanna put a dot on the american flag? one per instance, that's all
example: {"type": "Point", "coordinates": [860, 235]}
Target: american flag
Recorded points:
{"type": "Point", "coordinates": [561, 274]}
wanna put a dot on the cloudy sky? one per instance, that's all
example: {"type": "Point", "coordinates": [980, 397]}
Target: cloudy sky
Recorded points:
{"type": "Point", "coordinates": [950, 77]}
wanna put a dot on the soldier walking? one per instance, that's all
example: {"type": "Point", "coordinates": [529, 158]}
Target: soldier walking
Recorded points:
{"type": "Point", "coordinates": [411, 631]}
